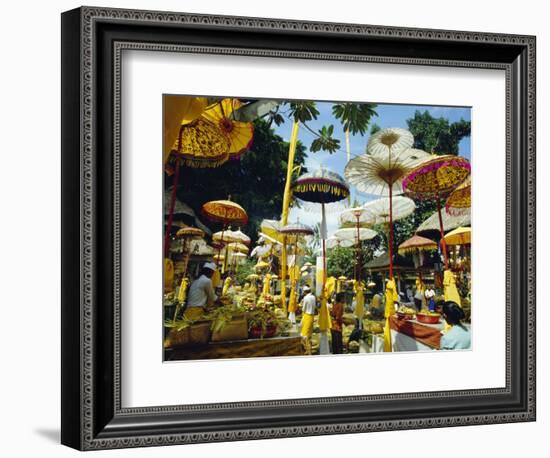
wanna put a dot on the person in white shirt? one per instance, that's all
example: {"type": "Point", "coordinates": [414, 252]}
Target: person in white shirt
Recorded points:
{"type": "Point", "coordinates": [309, 304]}
{"type": "Point", "coordinates": [430, 298]}
{"type": "Point", "coordinates": [201, 292]}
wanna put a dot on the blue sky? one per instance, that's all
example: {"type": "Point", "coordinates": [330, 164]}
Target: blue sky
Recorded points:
{"type": "Point", "coordinates": [388, 116]}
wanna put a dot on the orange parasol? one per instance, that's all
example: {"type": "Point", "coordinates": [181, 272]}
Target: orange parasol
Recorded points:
{"type": "Point", "coordinates": [417, 243]}
{"type": "Point", "coordinates": [224, 211]}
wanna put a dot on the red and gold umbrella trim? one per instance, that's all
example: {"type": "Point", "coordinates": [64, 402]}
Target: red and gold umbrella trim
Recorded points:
{"type": "Point", "coordinates": [437, 176]}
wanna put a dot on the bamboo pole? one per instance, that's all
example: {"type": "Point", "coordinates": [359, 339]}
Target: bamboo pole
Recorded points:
{"type": "Point", "coordinates": [286, 206]}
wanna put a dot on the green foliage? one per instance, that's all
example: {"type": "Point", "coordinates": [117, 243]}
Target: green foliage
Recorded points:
{"type": "Point", "coordinates": [245, 269]}
{"type": "Point", "coordinates": [303, 110]}
{"type": "Point", "coordinates": [256, 181]}
{"type": "Point", "coordinates": [374, 128]}
{"type": "Point", "coordinates": [325, 141]}
{"type": "Point", "coordinates": [341, 261]}
{"type": "Point", "coordinates": [355, 117]}
{"type": "Point", "coordinates": [437, 134]}
{"type": "Point", "coordinates": [405, 228]}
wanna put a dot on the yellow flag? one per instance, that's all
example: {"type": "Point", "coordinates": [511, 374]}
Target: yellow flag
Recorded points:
{"type": "Point", "coordinates": [449, 287]}
{"type": "Point", "coordinates": [267, 283]}
{"type": "Point", "coordinates": [389, 310]}
{"type": "Point", "coordinates": [182, 293]}
{"type": "Point", "coordinates": [168, 275]}
{"type": "Point", "coordinates": [216, 278]}
{"type": "Point", "coordinates": [359, 299]}
{"type": "Point", "coordinates": [226, 284]}
{"type": "Point", "coordinates": [293, 301]}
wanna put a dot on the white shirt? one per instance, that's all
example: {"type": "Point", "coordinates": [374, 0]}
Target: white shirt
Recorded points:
{"type": "Point", "coordinates": [308, 304]}
{"type": "Point", "coordinates": [429, 293]}
{"type": "Point", "coordinates": [201, 292]}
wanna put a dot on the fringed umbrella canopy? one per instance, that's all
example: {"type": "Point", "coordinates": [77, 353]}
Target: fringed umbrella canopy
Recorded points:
{"type": "Point", "coordinates": [375, 174]}
{"type": "Point", "coordinates": [449, 222]}
{"type": "Point", "coordinates": [224, 211]}
{"type": "Point", "coordinates": [380, 208]}
{"type": "Point", "coordinates": [190, 233]}
{"type": "Point", "coordinates": [240, 236]}
{"type": "Point", "coordinates": [460, 200]}
{"type": "Point", "coordinates": [333, 242]}
{"type": "Point", "coordinates": [357, 215]}
{"type": "Point", "coordinates": [297, 228]}
{"type": "Point", "coordinates": [201, 144]}
{"type": "Point", "coordinates": [179, 110]}
{"type": "Point", "coordinates": [393, 138]}
{"type": "Point", "coordinates": [417, 243]}
{"type": "Point", "coordinates": [223, 237]}
{"type": "Point", "coordinates": [237, 247]}
{"type": "Point", "coordinates": [321, 186]}
{"type": "Point", "coordinates": [350, 234]}
{"type": "Point", "coordinates": [459, 236]}
{"type": "Point", "coordinates": [437, 176]}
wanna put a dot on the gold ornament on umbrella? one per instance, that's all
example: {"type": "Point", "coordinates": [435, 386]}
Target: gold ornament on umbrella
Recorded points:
{"type": "Point", "coordinates": [460, 200]}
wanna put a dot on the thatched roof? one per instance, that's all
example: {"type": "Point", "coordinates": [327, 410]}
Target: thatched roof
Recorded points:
{"type": "Point", "coordinates": [382, 262]}
{"type": "Point", "coordinates": [449, 222]}
{"type": "Point", "coordinates": [181, 209]}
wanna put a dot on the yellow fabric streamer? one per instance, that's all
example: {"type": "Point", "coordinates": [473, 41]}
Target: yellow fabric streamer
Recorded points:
{"type": "Point", "coordinates": [293, 302]}
{"type": "Point", "coordinates": [449, 287]}
{"type": "Point", "coordinates": [267, 284]}
{"type": "Point", "coordinates": [182, 293]}
{"type": "Point", "coordinates": [389, 310]}
{"type": "Point", "coordinates": [324, 316]}
{"type": "Point", "coordinates": [216, 279]}
{"type": "Point", "coordinates": [168, 275]}
{"type": "Point", "coordinates": [226, 285]}
{"type": "Point", "coordinates": [359, 299]}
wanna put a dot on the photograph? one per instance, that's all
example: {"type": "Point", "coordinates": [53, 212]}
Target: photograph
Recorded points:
{"type": "Point", "coordinates": [313, 227]}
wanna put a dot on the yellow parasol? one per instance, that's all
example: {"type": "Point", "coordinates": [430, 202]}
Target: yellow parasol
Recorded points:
{"type": "Point", "coordinates": [240, 134]}
{"type": "Point", "coordinates": [237, 247]}
{"type": "Point", "coordinates": [225, 212]}
{"type": "Point", "coordinates": [460, 200]}
{"type": "Point", "coordinates": [179, 111]}
{"type": "Point", "coordinates": [262, 265]}
{"type": "Point", "coordinates": [459, 236]}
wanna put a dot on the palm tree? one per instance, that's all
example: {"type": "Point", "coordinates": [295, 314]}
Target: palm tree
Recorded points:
{"type": "Point", "coordinates": [355, 118]}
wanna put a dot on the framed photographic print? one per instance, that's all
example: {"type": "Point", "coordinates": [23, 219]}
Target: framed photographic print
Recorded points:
{"type": "Point", "coordinates": [254, 209]}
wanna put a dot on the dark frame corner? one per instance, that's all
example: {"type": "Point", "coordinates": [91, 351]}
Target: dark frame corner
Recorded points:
{"type": "Point", "coordinates": [92, 40]}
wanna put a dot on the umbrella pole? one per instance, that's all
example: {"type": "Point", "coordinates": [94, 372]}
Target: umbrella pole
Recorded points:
{"type": "Point", "coordinates": [442, 242]}
{"type": "Point", "coordinates": [171, 210]}
{"type": "Point", "coordinates": [323, 224]}
{"type": "Point", "coordinates": [391, 232]}
{"type": "Point", "coordinates": [358, 251]}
